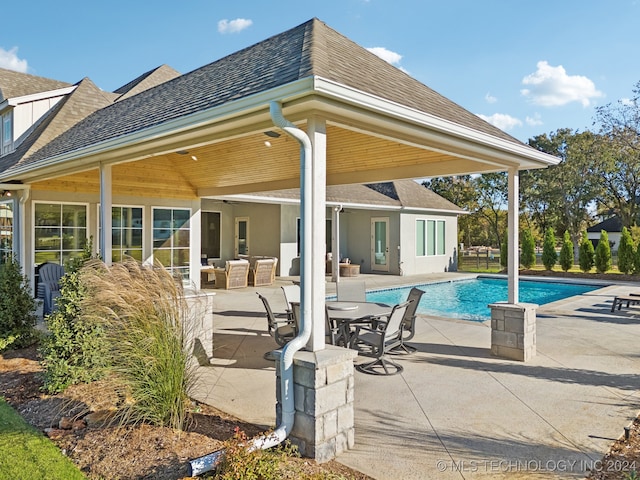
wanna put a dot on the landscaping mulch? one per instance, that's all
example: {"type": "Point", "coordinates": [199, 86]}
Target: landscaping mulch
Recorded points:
{"type": "Point", "coordinates": [105, 451]}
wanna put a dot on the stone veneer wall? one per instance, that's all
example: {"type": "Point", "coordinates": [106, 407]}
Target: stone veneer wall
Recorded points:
{"type": "Point", "coordinates": [513, 330]}
{"type": "Point", "coordinates": [324, 402]}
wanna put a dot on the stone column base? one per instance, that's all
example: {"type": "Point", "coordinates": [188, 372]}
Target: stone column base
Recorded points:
{"type": "Point", "coordinates": [513, 330]}
{"type": "Point", "coordinates": [323, 388]}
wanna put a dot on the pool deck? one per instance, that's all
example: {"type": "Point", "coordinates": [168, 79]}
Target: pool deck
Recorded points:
{"type": "Point", "coordinates": [456, 412]}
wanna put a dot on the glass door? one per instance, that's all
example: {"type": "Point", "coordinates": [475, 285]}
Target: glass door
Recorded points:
{"type": "Point", "coordinates": [242, 236]}
{"type": "Point", "coordinates": [380, 244]}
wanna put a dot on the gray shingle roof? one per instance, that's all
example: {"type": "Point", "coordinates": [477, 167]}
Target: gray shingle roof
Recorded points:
{"type": "Point", "coordinates": [310, 49]}
{"type": "Point", "coordinates": [399, 193]}
{"type": "Point", "coordinates": [147, 80]}
{"type": "Point", "coordinates": [15, 84]}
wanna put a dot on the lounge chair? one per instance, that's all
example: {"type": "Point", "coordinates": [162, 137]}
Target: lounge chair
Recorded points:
{"type": "Point", "coordinates": [235, 274]}
{"type": "Point", "coordinates": [382, 337]}
{"type": "Point", "coordinates": [262, 272]}
{"type": "Point", "coordinates": [281, 329]}
{"type": "Point", "coordinates": [630, 299]}
{"type": "Point", "coordinates": [351, 291]}
{"type": "Point", "coordinates": [49, 285]}
{"type": "Point", "coordinates": [409, 322]}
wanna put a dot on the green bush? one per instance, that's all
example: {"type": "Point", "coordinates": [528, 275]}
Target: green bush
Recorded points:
{"type": "Point", "coordinates": [504, 250]}
{"type": "Point", "coordinates": [626, 252]}
{"type": "Point", "coordinates": [603, 253]}
{"type": "Point", "coordinates": [586, 254]}
{"type": "Point", "coordinates": [143, 311]}
{"type": "Point", "coordinates": [566, 253]}
{"type": "Point", "coordinates": [17, 308]}
{"type": "Point", "coordinates": [549, 254]}
{"type": "Point", "coordinates": [74, 350]}
{"type": "Point", "coordinates": [528, 253]}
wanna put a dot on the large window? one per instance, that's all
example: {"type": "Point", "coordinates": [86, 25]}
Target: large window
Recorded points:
{"type": "Point", "coordinates": [430, 237]}
{"type": "Point", "coordinates": [126, 232]}
{"type": "Point", "coordinates": [6, 231]}
{"type": "Point", "coordinates": [210, 237]}
{"type": "Point", "coordinates": [171, 230]}
{"type": "Point", "coordinates": [60, 231]}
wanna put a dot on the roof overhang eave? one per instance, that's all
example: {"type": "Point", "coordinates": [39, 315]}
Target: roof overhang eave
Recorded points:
{"type": "Point", "coordinates": [525, 156]}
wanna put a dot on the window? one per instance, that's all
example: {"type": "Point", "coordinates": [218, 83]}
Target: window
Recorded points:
{"type": "Point", "coordinates": [171, 230]}
{"type": "Point", "coordinates": [7, 132]}
{"type": "Point", "coordinates": [210, 236]}
{"type": "Point", "coordinates": [60, 232]}
{"type": "Point", "coordinates": [6, 231]}
{"type": "Point", "coordinates": [430, 237]}
{"type": "Point", "coordinates": [126, 232]}
{"type": "Point", "coordinates": [327, 235]}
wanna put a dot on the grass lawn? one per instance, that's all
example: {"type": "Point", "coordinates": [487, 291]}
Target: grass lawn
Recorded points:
{"type": "Point", "coordinates": [27, 454]}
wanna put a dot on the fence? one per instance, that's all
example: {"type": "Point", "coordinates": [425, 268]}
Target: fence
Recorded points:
{"type": "Point", "coordinates": [489, 259]}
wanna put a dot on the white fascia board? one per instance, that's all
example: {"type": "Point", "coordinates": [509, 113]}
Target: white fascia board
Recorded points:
{"type": "Point", "coordinates": [451, 129]}
{"type": "Point", "coordinates": [15, 101]}
{"type": "Point", "coordinates": [186, 123]}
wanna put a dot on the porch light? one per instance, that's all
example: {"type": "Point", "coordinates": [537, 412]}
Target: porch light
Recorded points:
{"type": "Point", "coordinates": [272, 134]}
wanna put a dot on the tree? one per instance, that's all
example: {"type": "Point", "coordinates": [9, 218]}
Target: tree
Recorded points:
{"type": "Point", "coordinates": [603, 253]}
{"type": "Point", "coordinates": [504, 252]}
{"type": "Point", "coordinates": [528, 246]}
{"type": "Point", "coordinates": [626, 252]}
{"type": "Point", "coordinates": [566, 252]}
{"type": "Point", "coordinates": [549, 255]}
{"type": "Point", "coordinates": [560, 196]}
{"type": "Point", "coordinates": [586, 256]}
{"type": "Point", "coordinates": [492, 198]}
{"type": "Point", "coordinates": [619, 152]}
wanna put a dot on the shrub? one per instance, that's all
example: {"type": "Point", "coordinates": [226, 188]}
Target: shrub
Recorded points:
{"type": "Point", "coordinates": [143, 310]}
{"type": "Point", "coordinates": [626, 252]}
{"type": "Point", "coordinates": [549, 255]}
{"type": "Point", "coordinates": [504, 250]}
{"type": "Point", "coordinates": [586, 254]}
{"type": "Point", "coordinates": [528, 254]}
{"type": "Point", "coordinates": [566, 253]}
{"type": "Point", "coordinates": [17, 308]}
{"type": "Point", "coordinates": [73, 351]}
{"type": "Point", "coordinates": [602, 257]}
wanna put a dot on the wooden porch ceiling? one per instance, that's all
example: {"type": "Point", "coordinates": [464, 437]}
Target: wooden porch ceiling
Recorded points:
{"type": "Point", "coordinates": [257, 162]}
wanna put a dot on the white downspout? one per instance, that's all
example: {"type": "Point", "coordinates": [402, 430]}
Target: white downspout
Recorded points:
{"type": "Point", "coordinates": [208, 462]}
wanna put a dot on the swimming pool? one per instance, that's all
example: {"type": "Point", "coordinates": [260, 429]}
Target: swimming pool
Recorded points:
{"type": "Point", "coordinates": [469, 299]}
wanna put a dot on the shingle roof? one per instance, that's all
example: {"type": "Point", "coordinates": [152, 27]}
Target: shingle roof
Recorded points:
{"type": "Point", "coordinates": [15, 84]}
{"type": "Point", "coordinates": [613, 224]}
{"type": "Point", "coordinates": [147, 80]}
{"type": "Point", "coordinates": [399, 193]}
{"type": "Point", "coordinates": [310, 49]}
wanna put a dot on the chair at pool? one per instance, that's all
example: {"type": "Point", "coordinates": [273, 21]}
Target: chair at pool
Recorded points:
{"type": "Point", "coordinates": [629, 299]}
{"type": "Point", "coordinates": [409, 322]}
{"type": "Point", "coordinates": [382, 339]}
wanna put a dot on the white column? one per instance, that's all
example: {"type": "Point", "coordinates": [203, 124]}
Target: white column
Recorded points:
{"type": "Point", "coordinates": [317, 248]}
{"type": "Point", "coordinates": [512, 236]}
{"type": "Point", "coordinates": [195, 241]}
{"type": "Point", "coordinates": [335, 244]}
{"type": "Point", "coordinates": [106, 202]}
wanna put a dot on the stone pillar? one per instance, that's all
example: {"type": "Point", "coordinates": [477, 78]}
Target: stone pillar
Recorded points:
{"type": "Point", "coordinates": [513, 330]}
{"type": "Point", "coordinates": [323, 396]}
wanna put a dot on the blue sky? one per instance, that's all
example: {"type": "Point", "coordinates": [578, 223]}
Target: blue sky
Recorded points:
{"type": "Point", "coordinates": [529, 67]}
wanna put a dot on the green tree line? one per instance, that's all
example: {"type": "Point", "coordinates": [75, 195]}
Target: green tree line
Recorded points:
{"type": "Point", "coordinates": [598, 177]}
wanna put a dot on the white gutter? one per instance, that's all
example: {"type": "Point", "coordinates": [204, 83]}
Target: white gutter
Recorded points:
{"type": "Point", "coordinates": [209, 462]}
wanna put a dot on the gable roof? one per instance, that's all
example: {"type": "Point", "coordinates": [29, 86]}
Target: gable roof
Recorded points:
{"type": "Point", "coordinates": [16, 84]}
{"type": "Point", "coordinates": [147, 80]}
{"type": "Point", "coordinates": [399, 194]}
{"type": "Point", "coordinates": [613, 224]}
{"type": "Point", "coordinates": [311, 49]}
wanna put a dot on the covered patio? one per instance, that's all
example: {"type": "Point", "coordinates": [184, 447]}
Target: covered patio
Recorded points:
{"type": "Point", "coordinates": [457, 411]}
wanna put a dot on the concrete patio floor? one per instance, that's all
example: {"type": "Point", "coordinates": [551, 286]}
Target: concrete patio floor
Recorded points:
{"type": "Point", "coordinates": [456, 412]}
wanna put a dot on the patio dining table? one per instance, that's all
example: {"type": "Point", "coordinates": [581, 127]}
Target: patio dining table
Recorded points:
{"type": "Point", "coordinates": [349, 314]}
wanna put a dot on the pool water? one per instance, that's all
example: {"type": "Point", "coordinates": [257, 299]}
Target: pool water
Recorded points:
{"type": "Point", "coordinates": [469, 299]}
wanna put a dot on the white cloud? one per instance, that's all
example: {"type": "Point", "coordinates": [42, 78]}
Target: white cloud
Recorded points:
{"type": "Point", "coordinates": [388, 56]}
{"type": "Point", "coordinates": [233, 26]}
{"type": "Point", "coordinates": [490, 98]}
{"type": "Point", "coordinates": [9, 60]}
{"type": "Point", "coordinates": [627, 101]}
{"type": "Point", "coordinates": [551, 87]}
{"type": "Point", "coordinates": [534, 121]}
{"type": "Point", "coordinates": [502, 121]}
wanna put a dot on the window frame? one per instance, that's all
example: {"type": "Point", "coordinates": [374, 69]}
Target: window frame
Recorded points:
{"type": "Point", "coordinates": [433, 239]}
{"type": "Point", "coordinates": [121, 229]}
{"type": "Point", "coordinates": [184, 269]}
{"type": "Point", "coordinates": [61, 250]}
